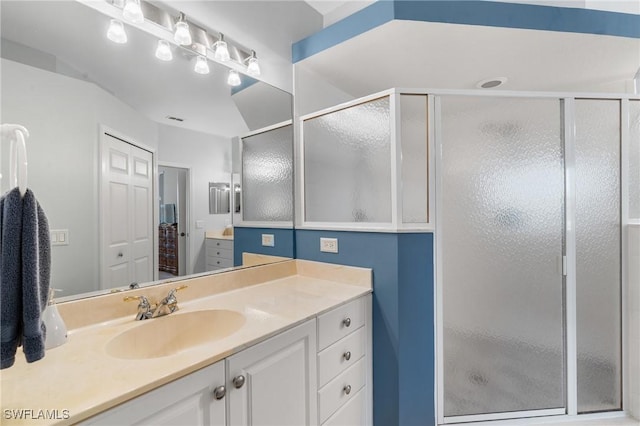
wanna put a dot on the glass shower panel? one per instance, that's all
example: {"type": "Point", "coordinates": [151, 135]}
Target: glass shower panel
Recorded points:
{"type": "Point", "coordinates": [634, 160]}
{"type": "Point", "coordinates": [347, 164]}
{"type": "Point", "coordinates": [597, 230]}
{"type": "Point", "coordinates": [413, 127]}
{"type": "Point", "coordinates": [267, 176]}
{"type": "Point", "coordinates": [502, 243]}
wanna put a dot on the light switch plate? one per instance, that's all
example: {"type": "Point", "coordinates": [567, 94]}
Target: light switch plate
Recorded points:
{"type": "Point", "coordinates": [59, 237]}
{"type": "Point", "coordinates": [268, 240]}
{"type": "Point", "coordinates": [199, 224]}
{"type": "Point", "coordinates": [329, 245]}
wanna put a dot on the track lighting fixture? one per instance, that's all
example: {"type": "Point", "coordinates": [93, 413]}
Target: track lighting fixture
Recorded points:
{"type": "Point", "coordinates": [116, 32]}
{"type": "Point", "coordinates": [233, 79]}
{"type": "Point", "coordinates": [163, 51]}
{"type": "Point", "coordinates": [132, 11]}
{"type": "Point", "coordinates": [253, 68]}
{"type": "Point", "coordinates": [221, 51]}
{"type": "Point", "coordinates": [182, 35]}
{"type": "Point", "coordinates": [202, 67]}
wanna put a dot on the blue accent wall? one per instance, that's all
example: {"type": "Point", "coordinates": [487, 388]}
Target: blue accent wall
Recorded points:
{"type": "Point", "coordinates": [416, 292]}
{"type": "Point", "coordinates": [250, 240]}
{"type": "Point", "coordinates": [403, 369]}
{"type": "Point", "coordinates": [484, 13]}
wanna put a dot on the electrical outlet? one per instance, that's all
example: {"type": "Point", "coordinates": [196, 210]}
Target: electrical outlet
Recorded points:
{"type": "Point", "coordinates": [268, 240]}
{"type": "Point", "coordinates": [329, 245]}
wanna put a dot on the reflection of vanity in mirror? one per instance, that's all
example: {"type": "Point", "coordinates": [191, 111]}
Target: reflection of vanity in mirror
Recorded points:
{"type": "Point", "coordinates": [124, 148]}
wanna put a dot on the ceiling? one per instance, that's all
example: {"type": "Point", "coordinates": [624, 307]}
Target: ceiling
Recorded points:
{"type": "Point", "coordinates": [132, 73]}
{"type": "Point", "coordinates": [437, 55]}
{"type": "Point", "coordinates": [396, 54]}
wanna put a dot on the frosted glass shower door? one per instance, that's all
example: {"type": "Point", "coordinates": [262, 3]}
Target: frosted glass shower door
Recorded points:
{"type": "Point", "coordinates": [501, 224]}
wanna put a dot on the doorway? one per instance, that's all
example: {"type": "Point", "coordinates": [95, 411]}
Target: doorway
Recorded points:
{"type": "Point", "coordinates": [173, 231]}
{"type": "Point", "coordinates": [529, 257]}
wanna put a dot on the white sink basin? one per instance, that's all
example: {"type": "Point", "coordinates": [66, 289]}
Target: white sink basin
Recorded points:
{"type": "Point", "coordinates": [171, 334]}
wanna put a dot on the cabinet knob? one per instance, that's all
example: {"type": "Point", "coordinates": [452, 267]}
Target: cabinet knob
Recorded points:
{"type": "Point", "coordinates": [347, 389]}
{"type": "Point", "coordinates": [219, 392]}
{"type": "Point", "coordinates": [238, 381]}
{"type": "Point", "coordinates": [120, 254]}
{"type": "Point", "coordinates": [347, 355]}
{"type": "Point", "coordinates": [347, 322]}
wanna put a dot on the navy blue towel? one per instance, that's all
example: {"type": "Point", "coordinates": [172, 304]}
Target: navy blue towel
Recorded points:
{"type": "Point", "coordinates": [25, 271]}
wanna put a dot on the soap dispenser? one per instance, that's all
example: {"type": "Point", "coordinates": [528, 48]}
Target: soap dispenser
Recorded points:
{"type": "Point", "coordinates": [56, 329]}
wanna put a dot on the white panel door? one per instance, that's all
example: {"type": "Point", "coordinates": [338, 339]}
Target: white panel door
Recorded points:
{"type": "Point", "coordinates": [126, 213]}
{"type": "Point", "coordinates": [274, 382]}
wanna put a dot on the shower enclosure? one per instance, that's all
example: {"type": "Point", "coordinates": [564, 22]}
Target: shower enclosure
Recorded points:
{"type": "Point", "coordinates": [529, 234]}
{"type": "Point", "coordinates": [529, 196]}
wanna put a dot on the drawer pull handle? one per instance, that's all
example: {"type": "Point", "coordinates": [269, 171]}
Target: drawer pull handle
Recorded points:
{"type": "Point", "coordinates": [347, 389]}
{"type": "Point", "coordinates": [219, 392]}
{"type": "Point", "coordinates": [346, 322]}
{"type": "Point", "coordinates": [238, 381]}
{"type": "Point", "coordinates": [347, 355]}
{"type": "Point", "coordinates": [218, 253]}
{"type": "Point", "coordinates": [217, 244]}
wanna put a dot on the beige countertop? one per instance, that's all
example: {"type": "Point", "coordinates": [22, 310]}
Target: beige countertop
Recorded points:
{"type": "Point", "coordinates": [218, 235]}
{"type": "Point", "coordinates": [81, 377]}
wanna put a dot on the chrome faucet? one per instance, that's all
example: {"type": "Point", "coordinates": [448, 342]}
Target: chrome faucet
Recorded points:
{"type": "Point", "coordinates": [166, 306]}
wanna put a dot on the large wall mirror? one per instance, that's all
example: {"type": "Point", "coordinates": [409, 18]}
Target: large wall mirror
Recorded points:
{"type": "Point", "coordinates": [98, 111]}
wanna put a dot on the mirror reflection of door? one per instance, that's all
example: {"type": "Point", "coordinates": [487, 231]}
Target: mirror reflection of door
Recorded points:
{"type": "Point", "coordinates": [126, 213]}
{"type": "Point", "coordinates": [174, 221]}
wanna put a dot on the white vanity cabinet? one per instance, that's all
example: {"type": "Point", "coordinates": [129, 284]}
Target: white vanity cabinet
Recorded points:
{"type": "Point", "coordinates": [219, 253]}
{"type": "Point", "coordinates": [345, 365]}
{"type": "Point", "coordinates": [196, 399]}
{"type": "Point", "coordinates": [316, 373]}
{"type": "Point", "coordinates": [274, 382]}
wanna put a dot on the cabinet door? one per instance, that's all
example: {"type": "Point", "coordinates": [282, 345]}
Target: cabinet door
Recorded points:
{"type": "Point", "coordinates": [275, 382]}
{"type": "Point", "coordinates": [185, 402]}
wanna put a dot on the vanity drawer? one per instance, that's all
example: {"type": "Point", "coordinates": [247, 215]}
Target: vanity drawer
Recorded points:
{"type": "Point", "coordinates": [219, 262]}
{"type": "Point", "coordinates": [214, 243]}
{"type": "Point", "coordinates": [334, 395]}
{"type": "Point", "coordinates": [336, 324]}
{"type": "Point", "coordinates": [353, 413]}
{"type": "Point", "coordinates": [333, 360]}
{"type": "Point", "coordinates": [219, 252]}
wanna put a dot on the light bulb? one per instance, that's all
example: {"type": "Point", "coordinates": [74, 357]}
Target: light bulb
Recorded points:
{"type": "Point", "coordinates": [132, 12]}
{"type": "Point", "coordinates": [116, 32]}
{"type": "Point", "coordinates": [222, 52]}
{"type": "Point", "coordinates": [163, 51]}
{"type": "Point", "coordinates": [233, 79]}
{"type": "Point", "coordinates": [202, 67]}
{"type": "Point", "coordinates": [253, 68]}
{"type": "Point", "coordinates": [182, 35]}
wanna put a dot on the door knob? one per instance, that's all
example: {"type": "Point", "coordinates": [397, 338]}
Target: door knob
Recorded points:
{"type": "Point", "coordinates": [238, 381]}
{"type": "Point", "coordinates": [182, 234]}
{"type": "Point", "coordinates": [219, 392]}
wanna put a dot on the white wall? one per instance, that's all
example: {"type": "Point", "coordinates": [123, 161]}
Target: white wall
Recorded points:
{"type": "Point", "coordinates": [63, 117]}
{"type": "Point", "coordinates": [210, 159]}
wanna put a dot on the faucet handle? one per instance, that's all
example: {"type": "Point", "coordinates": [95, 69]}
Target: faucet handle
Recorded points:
{"type": "Point", "coordinates": [173, 291]}
{"type": "Point", "coordinates": [143, 300]}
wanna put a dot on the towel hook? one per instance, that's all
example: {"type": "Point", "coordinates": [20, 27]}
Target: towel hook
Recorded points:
{"type": "Point", "coordinates": [18, 149]}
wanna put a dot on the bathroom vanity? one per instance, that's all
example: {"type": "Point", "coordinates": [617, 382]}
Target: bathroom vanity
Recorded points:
{"type": "Point", "coordinates": [218, 250]}
{"type": "Point", "coordinates": [286, 343]}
